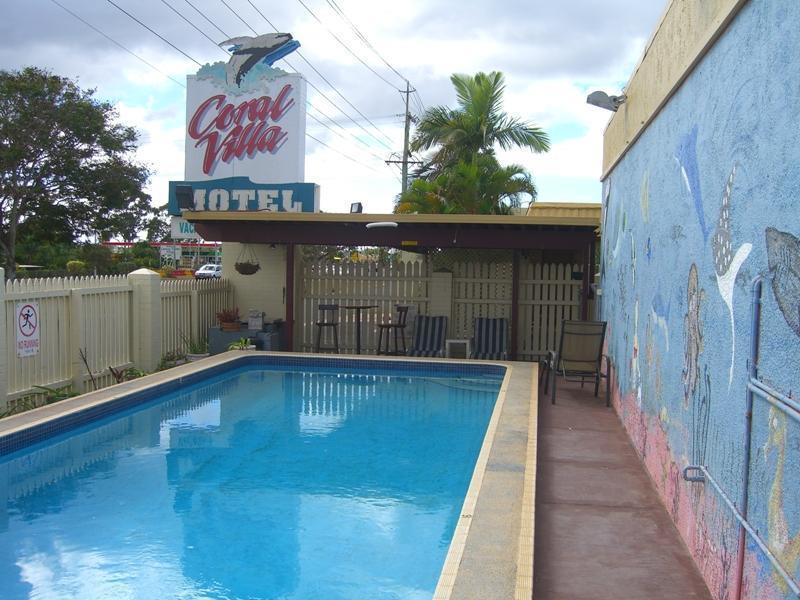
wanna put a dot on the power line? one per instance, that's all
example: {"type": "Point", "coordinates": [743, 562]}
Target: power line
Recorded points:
{"type": "Point", "coordinates": [345, 46]}
{"type": "Point", "coordinates": [291, 66]}
{"type": "Point", "coordinates": [202, 14]}
{"type": "Point", "coordinates": [203, 33]}
{"type": "Point", "coordinates": [362, 37]}
{"type": "Point", "coordinates": [332, 130]}
{"type": "Point", "coordinates": [115, 42]}
{"type": "Point", "coordinates": [325, 79]}
{"type": "Point", "coordinates": [165, 40]}
{"type": "Point", "coordinates": [358, 162]}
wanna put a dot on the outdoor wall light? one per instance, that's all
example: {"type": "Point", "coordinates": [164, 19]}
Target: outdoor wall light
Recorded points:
{"type": "Point", "coordinates": [381, 224]}
{"type": "Point", "coordinates": [603, 100]}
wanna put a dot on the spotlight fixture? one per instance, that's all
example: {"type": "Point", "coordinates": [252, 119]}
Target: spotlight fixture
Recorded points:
{"type": "Point", "coordinates": [381, 224]}
{"type": "Point", "coordinates": [603, 100]}
{"type": "Point", "coordinates": [184, 196]}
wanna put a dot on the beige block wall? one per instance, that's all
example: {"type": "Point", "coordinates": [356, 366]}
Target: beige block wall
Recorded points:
{"type": "Point", "coordinates": [264, 290]}
{"type": "Point", "coordinates": [685, 33]}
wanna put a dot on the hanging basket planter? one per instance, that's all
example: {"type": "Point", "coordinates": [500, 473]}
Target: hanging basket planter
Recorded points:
{"type": "Point", "coordinates": [247, 268]}
{"type": "Point", "coordinates": [247, 262]}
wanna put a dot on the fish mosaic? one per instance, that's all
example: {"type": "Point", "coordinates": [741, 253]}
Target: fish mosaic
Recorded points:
{"type": "Point", "coordinates": [726, 262]}
{"type": "Point", "coordinates": [693, 335]}
{"type": "Point", "coordinates": [783, 257]}
{"type": "Point", "coordinates": [686, 158]}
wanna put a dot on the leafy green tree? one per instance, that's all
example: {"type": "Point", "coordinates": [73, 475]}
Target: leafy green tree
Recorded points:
{"type": "Point", "coordinates": [479, 186]}
{"type": "Point", "coordinates": [64, 157]}
{"type": "Point", "coordinates": [477, 126]}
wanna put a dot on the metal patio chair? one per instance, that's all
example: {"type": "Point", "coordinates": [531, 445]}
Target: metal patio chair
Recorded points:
{"type": "Point", "coordinates": [429, 334]}
{"type": "Point", "coordinates": [328, 319]}
{"type": "Point", "coordinates": [579, 356]}
{"type": "Point", "coordinates": [398, 326]}
{"type": "Point", "coordinates": [490, 339]}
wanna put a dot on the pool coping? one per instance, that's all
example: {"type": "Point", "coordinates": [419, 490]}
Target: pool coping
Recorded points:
{"type": "Point", "coordinates": [510, 441]}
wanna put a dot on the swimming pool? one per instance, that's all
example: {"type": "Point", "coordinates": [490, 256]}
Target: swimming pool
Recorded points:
{"type": "Point", "coordinates": [265, 477]}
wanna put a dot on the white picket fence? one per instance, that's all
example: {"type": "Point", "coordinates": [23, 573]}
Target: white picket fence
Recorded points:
{"type": "Point", "coordinates": [547, 295]}
{"type": "Point", "coordinates": [91, 319]}
{"type": "Point", "coordinates": [188, 309]}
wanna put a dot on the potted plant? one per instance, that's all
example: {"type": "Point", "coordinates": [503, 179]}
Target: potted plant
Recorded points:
{"type": "Point", "coordinates": [246, 267]}
{"type": "Point", "coordinates": [242, 344]}
{"type": "Point", "coordinates": [173, 358]}
{"type": "Point", "coordinates": [195, 350]}
{"type": "Point", "coordinates": [229, 319]}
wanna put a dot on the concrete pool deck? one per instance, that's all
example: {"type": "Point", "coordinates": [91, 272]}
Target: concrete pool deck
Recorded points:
{"type": "Point", "coordinates": [601, 530]}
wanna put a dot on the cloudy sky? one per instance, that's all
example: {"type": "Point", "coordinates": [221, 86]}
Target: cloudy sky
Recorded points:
{"type": "Point", "coordinates": [552, 54]}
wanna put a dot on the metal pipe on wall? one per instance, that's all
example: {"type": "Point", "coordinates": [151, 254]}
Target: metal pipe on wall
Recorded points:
{"type": "Point", "coordinates": [755, 388]}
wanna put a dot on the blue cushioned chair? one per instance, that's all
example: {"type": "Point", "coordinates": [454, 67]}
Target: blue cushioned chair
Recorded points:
{"type": "Point", "coordinates": [490, 339]}
{"type": "Point", "coordinates": [429, 334]}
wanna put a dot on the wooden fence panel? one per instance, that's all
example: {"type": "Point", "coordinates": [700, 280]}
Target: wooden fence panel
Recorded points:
{"type": "Point", "coordinates": [364, 283]}
{"type": "Point", "coordinates": [189, 308]}
{"type": "Point", "coordinates": [547, 295]}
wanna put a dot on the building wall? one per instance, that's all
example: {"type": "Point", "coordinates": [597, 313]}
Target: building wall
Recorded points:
{"type": "Point", "coordinates": [263, 290]}
{"type": "Point", "coordinates": [705, 200]}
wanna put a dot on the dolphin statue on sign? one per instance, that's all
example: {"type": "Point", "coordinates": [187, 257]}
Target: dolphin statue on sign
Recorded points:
{"type": "Point", "coordinates": [247, 52]}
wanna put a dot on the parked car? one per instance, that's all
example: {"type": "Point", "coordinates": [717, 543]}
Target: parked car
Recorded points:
{"type": "Point", "coordinates": [209, 271]}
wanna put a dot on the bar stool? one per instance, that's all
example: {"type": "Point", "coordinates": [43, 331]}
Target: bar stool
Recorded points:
{"type": "Point", "coordinates": [328, 317]}
{"type": "Point", "coordinates": [399, 328]}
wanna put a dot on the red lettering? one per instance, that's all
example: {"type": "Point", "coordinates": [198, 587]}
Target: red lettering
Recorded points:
{"type": "Point", "coordinates": [244, 129]}
{"type": "Point", "coordinates": [194, 125]}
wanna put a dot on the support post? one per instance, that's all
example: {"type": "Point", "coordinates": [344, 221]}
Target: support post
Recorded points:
{"type": "Point", "coordinates": [289, 293]}
{"type": "Point", "coordinates": [146, 309]}
{"type": "Point", "coordinates": [514, 303]}
{"type": "Point", "coordinates": [585, 285]}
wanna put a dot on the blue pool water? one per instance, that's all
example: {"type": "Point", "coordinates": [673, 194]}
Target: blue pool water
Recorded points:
{"type": "Point", "coordinates": [258, 483]}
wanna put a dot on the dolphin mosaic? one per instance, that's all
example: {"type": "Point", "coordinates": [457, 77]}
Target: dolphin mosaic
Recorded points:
{"type": "Point", "coordinates": [248, 51]}
{"type": "Point", "coordinates": [686, 158]}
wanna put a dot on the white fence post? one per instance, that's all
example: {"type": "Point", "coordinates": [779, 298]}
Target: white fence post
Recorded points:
{"type": "Point", "coordinates": [77, 341]}
{"type": "Point", "coordinates": [146, 309]}
{"type": "Point", "coordinates": [3, 348]}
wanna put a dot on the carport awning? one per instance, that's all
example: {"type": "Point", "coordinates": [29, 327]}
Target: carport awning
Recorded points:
{"type": "Point", "coordinates": [549, 227]}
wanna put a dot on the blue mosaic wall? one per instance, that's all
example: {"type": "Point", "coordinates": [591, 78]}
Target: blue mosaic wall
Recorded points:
{"type": "Point", "coordinates": [706, 200]}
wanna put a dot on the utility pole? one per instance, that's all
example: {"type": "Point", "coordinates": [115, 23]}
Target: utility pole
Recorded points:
{"type": "Point", "coordinates": [405, 140]}
{"type": "Point", "coordinates": [406, 153]}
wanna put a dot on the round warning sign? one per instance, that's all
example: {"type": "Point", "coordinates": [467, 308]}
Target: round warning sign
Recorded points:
{"type": "Point", "coordinates": [27, 328]}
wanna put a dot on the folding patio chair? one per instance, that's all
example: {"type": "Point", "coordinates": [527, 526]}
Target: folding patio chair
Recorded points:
{"type": "Point", "coordinates": [489, 339]}
{"type": "Point", "coordinates": [579, 356]}
{"type": "Point", "coordinates": [429, 334]}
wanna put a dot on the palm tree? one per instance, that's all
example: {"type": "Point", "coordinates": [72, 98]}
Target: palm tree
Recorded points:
{"type": "Point", "coordinates": [478, 186]}
{"type": "Point", "coordinates": [475, 127]}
